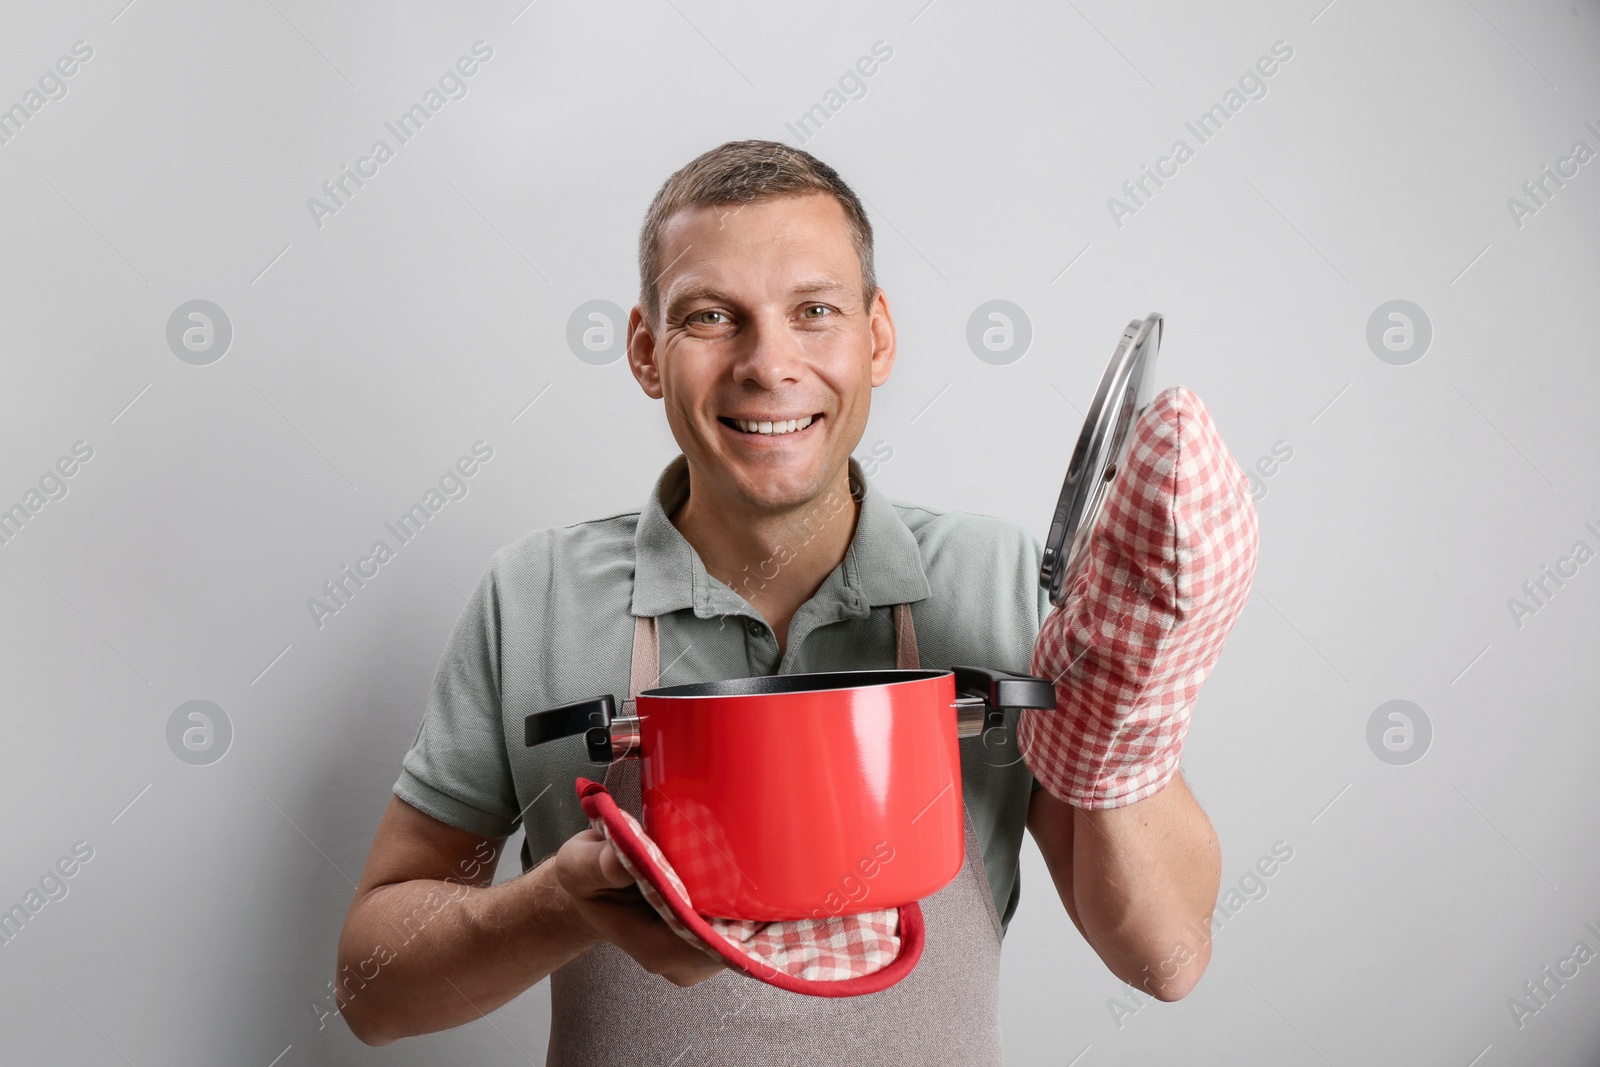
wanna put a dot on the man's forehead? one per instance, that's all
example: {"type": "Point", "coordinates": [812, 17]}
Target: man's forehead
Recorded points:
{"type": "Point", "coordinates": [813, 219]}
{"type": "Point", "coordinates": [707, 250]}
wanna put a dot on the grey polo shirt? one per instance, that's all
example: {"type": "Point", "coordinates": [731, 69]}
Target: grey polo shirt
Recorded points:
{"type": "Point", "coordinates": [552, 619]}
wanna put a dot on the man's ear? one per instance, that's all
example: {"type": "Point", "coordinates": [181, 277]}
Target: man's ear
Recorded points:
{"type": "Point", "coordinates": [642, 354]}
{"type": "Point", "coordinates": [883, 339]}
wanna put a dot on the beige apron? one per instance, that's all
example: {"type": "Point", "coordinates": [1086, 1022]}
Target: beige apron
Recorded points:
{"type": "Point", "coordinates": [607, 1011]}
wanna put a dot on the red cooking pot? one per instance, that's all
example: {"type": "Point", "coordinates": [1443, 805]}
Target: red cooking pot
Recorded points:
{"type": "Point", "coordinates": [803, 795]}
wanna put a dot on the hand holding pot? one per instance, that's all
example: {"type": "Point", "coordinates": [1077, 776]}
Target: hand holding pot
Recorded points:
{"type": "Point", "coordinates": [1168, 572]}
{"type": "Point", "coordinates": [606, 898]}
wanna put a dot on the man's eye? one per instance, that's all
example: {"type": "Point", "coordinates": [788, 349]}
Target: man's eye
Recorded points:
{"type": "Point", "coordinates": [695, 317]}
{"type": "Point", "coordinates": [815, 307]}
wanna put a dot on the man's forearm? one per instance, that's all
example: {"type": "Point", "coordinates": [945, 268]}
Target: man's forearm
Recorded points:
{"type": "Point", "coordinates": [1145, 883]}
{"type": "Point", "coordinates": [427, 955]}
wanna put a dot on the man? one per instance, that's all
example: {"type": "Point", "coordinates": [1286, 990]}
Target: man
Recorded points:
{"type": "Point", "coordinates": [763, 549]}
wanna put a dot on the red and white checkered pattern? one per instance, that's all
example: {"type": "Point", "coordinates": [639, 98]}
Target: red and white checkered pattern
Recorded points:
{"type": "Point", "coordinates": [1170, 562]}
{"type": "Point", "coordinates": [845, 955]}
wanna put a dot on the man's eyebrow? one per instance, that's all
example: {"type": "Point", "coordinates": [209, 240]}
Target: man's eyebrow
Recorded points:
{"type": "Point", "coordinates": [693, 295]}
{"type": "Point", "coordinates": [823, 284]}
{"type": "Point", "coordinates": [697, 293]}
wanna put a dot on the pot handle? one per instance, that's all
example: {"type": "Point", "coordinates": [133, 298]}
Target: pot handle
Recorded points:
{"type": "Point", "coordinates": [592, 718]}
{"type": "Point", "coordinates": [1000, 690]}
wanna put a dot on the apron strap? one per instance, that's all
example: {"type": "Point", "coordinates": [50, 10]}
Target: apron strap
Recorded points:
{"type": "Point", "coordinates": [905, 640]}
{"type": "Point", "coordinates": [646, 656]}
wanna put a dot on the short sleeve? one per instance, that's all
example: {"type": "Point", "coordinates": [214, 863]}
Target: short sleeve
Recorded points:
{"type": "Point", "coordinates": [1044, 611]}
{"type": "Point", "coordinates": [457, 769]}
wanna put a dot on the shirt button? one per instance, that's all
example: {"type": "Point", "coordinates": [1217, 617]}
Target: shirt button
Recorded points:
{"type": "Point", "coordinates": [755, 629]}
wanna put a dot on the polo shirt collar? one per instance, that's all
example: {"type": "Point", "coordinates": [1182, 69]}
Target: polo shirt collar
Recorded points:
{"type": "Point", "coordinates": [883, 564]}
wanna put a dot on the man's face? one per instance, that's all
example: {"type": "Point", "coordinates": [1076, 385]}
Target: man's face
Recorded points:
{"type": "Point", "coordinates": [763, 320]}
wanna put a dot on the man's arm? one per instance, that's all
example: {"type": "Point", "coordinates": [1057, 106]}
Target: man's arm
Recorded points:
{"type": "Point", "coordinates": [419, 953]}
{"type": "Point", "coordinates": [1139, 882]}
{"type": "Point", "coordinates": [429, 943]}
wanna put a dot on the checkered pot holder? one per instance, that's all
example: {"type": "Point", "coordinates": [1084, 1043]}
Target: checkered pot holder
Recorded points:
{"type": "Point", "coordinates": [1170, 561]}
{"type": "Point", "coordinates": [841, 956]}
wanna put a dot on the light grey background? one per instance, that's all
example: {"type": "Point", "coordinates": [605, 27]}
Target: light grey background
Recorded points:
{"type": "Point", "coordinates": [431, 312]}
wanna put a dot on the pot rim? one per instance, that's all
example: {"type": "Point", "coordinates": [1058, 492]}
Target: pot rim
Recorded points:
{"type": "Point", "coordinates": [782, 685]}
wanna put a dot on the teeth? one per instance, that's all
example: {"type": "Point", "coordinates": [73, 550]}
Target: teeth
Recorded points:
{"type": "Point", "coordinates": [772, 428]}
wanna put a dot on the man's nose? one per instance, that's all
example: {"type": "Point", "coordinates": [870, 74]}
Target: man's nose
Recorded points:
{"type": "Point", "coordinates": [769, 354]}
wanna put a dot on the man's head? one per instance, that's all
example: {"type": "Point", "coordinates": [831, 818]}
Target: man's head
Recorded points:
{"type": "Point", "coordinates": [758, 302]}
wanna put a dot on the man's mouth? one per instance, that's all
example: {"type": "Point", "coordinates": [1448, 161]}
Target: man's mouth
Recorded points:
{"type": "Point", "coordinates": [769, 427]}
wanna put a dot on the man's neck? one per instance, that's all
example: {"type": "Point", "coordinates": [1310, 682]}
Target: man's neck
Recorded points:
{"type": "Point", "coordinates": [775, 560]}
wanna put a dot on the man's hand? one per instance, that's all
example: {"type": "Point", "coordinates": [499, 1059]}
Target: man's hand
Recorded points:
{"type": "Point", "coordinates": [606, 898]}
{"type": "Point", "coordinates": [1170, 561]}
{"type": "Point", "coordinates": [430, 943]}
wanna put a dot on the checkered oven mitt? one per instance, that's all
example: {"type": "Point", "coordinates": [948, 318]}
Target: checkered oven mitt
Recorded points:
{"type": "Point", "coordinates": [1170, 562]}
{"type": "Point", "coordinates": [840, 956]}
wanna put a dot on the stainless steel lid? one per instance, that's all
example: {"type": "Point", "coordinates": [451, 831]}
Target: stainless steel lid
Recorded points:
{"type": "Point", "coordinates": [1124, 393]}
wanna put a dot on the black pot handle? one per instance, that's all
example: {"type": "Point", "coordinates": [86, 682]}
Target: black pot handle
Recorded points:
{"type": "Point", "coordinates": [592, 718]}
{"type": "Point", "coordinates": [1003, 689]}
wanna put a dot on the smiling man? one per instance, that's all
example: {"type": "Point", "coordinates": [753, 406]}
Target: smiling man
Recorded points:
{"type": "Point", "coordinates": [762, 549]}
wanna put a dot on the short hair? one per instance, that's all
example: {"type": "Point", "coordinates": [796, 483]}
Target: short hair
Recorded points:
{"type": "Point", "coordinates": [744, 172]}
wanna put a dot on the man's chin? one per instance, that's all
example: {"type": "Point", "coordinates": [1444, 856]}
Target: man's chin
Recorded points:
{"type": "Point", "coordinates": [779, 487]}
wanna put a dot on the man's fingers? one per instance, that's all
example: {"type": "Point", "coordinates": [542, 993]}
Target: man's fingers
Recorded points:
{"type": "Point", "coordinates": [611, 867]}
{"type": "Point", "coordinates": [657, 948]}
{"type": "Point", "coordinates": [591, 871]}
{"type": "Point", "coordinates": [594, 865]}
